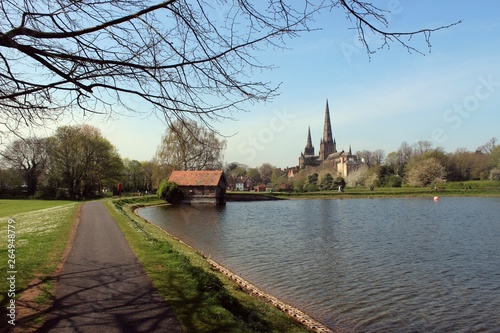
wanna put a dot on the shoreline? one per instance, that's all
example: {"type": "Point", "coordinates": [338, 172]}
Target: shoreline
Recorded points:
{"type": "Point", "coordinates": [358, 195]}
{"type": "Point", "coordinates": [293, 312]}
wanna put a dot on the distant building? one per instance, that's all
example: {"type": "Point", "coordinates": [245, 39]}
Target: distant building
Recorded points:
{"type": "Point", "coordinates": [260, 188]}
{"type": "Point", "coordinates": [292, 172]}
{"type": "Point", "coordinates": [341, 162]}
{"type": "Point", "coordinates": [201, 186]}
{"type": "Point", "coordinates": [243, 183]}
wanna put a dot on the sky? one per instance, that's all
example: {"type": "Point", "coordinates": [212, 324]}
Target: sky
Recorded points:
{"type": "Point", "coordinates": [450, 96]}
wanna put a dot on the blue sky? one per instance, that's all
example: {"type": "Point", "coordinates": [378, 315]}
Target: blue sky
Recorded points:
{"type": "Point", "coordinates": [450, 96]}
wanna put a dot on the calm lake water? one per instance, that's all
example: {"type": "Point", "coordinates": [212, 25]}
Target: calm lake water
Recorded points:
{"type": "Point", "coordinates": [360, 265]}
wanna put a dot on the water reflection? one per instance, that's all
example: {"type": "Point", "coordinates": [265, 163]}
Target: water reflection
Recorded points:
{"type": "Point", "coordinates": [364, 265]}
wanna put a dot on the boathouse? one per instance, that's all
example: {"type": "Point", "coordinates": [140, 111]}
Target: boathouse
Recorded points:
{"type": "Point", "coordinates": [201, 186]}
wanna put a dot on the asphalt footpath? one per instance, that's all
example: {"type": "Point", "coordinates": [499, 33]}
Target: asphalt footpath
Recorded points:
{"type": "Point", "coordinates": [102, 287]}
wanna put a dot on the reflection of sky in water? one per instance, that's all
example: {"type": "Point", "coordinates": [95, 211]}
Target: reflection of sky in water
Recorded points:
{"type": "Point", "coordinates": [362, 264]}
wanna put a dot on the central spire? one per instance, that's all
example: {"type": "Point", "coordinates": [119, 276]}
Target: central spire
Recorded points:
{"type": "Point", "coordinates": [328, 145]}
{"type": "Point", "coordinates": [327, 132]}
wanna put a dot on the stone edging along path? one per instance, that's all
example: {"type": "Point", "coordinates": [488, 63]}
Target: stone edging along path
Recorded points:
{"type": "Point", "coordinates": [291, 311]}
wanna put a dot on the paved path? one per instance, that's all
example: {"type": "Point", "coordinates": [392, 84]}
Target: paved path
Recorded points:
{"type": "Point", "coordinates": [102, 287]}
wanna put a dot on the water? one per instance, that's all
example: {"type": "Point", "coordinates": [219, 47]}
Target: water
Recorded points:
{"type": "Point", "coordinates": [360, 265]}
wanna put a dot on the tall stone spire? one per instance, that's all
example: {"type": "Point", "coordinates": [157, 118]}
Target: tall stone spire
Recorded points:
{"type": "Point", "coordinates": [328, 145]}
{"type": "Point", "coordinates": [309, 150]}
{"type": "Point", "coordinates": [327, 129]}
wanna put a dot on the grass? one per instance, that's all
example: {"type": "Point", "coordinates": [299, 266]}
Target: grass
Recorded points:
{"type": "Point", "coordinates": [11, 207]}
{"type": "Point", "coordinates": [203, 300]}
{"type": "Point", "coordinates": [40, 239]}
{"type": "Point", "coordinates": [468, 188]}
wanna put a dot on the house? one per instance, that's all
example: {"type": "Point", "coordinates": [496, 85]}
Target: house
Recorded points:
{"type": "Point", "coordinates": [292, 172]}
{"type": "Point", "coordinates": [243, 183]}
{"type": "Point", "coordinates": [260, 188]}
{"type": "Point", "coordinates": [201, 186]}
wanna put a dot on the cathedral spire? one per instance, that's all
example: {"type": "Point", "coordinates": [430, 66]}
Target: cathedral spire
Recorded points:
{"type": "Point", "coordinates": [309, 150]}
{"type": "Point", "coordinates": [327, 131]}
{"type": "Point", "coordinates": [328, 145]}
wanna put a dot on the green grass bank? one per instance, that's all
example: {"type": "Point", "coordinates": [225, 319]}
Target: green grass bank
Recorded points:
{"type": "Point", "coordinates": [38, 238]}
{"type": "Point", "coordinates": [204, 300]}
{"type": "Point", "coordinates": [467, 188]}
{"type": "Point", "coordinates": [12, 207]}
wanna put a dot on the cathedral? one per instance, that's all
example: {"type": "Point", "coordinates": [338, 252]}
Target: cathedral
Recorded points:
{"type": "Point", "coordinates": [342, 162]}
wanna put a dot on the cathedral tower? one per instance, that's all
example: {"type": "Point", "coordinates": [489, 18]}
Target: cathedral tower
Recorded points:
{"type": "Point", "coordinates": [328, 145]}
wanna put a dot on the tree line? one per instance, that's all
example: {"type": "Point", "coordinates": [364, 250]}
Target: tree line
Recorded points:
{"type": "Point", "coordinates": [419, 165]}
{"type": "Point", "coordinates": [79, 162]}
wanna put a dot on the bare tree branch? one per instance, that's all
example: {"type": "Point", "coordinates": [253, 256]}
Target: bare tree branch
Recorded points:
{"type": "Point", "coordinates": [177, 59]}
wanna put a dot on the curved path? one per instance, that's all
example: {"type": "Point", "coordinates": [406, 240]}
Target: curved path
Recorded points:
{"type": "Point", "coordinates": [102, 287]}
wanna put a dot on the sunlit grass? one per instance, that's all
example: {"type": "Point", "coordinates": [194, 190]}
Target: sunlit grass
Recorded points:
{"type": "Point", "coordinates": [40, 239]}
{"type": "Point", "coordinates": [10, 207]}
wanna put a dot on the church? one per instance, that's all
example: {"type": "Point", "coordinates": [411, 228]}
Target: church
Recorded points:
{"type": "Point", "coordinates": [341, 162]}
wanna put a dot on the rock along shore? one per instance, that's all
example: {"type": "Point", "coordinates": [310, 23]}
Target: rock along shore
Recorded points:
{"type": "Point", "coordinates": [291, 311]}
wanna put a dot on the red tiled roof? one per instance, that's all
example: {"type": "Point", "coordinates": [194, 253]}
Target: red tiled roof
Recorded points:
{"type": "Point", "coordinates": [196, 178]}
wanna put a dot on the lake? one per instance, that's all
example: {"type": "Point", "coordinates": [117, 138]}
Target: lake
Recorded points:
{"type": "Point", "coordinates": [360, 265]}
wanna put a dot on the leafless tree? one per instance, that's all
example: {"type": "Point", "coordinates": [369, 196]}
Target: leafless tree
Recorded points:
{"type": "Point", "coordinates": [421, 147]}
{"type": "Point", "coordinates": [405, 153]}
{"type": "Point", "coordinates": [175, 59]}
{"type": "Point", "coordinates": [488, 147]}
{"type": "Point", "coordinates": [29, 158]}
{"type": "Point", "coordinates": [188, 146]}
{"type": "Point", "coordinates": [378, 156]}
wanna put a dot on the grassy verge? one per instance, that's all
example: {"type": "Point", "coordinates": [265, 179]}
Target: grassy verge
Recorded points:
{"type": "Point", "coordinates": [13, 207]}
{"type": "Point", "coordinates": [203, 300]}
{"type": "Point", "coordinates": [469, 188]}
{"type": "Point", "coordinates": [40, 239]}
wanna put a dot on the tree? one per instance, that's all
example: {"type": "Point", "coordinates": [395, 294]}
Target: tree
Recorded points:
{"type": "Point", "coordinates": [425, 172]}
{"type": "Point", "coordinates": [311, 183]}
{"type": "Point", "coordinates": [371, 158]}
{"type": "Point", "coordinates": [83, 161]}
{"type": "Point", "coordinates": [254, 175]}
{"type": "Point", "coordinates": [189, 146]}
{"type": "Point", "coordinates": [278, 177]}
{"type": "Point", "coordinates": [170, 192]}
{"type": "Point", "coordinates": [359, 177]}
{"type": "Point", "coordinates": [422, 147]}
{"type": "Point", "coordinates": [178, 59]}
{"type": "Point", "coordinates": [28, 157]}
{"type": "Point", "coordinates": [466, 165]}
{"type": "Point", "coordinates": [495, 157]}
{"type": "Point", "coordinates": [326, 182]}
{"type": "Point", "coordinates": [339, 181]}
{"type": "Point", "coordinates": [488, 147]}
{"type": "Point", "coordinates": [378, 156]}
{"type": "Point", "coordinates": [159, 172]}
{"type": "Point", "coordinates": [148, 169]}
{"type": "Point", "coordinates": [405, 153]}
{"type": "Point", "coordinates": [365, 156]}
{"type": "Point", "coordinates": [266, 172]}
{"type": "Point", "coordinates": [10, 183]}
{"type": "Point", "coordinates": [134, 174]}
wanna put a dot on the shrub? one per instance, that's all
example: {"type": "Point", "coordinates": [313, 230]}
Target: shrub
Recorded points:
{"type": "Point", "coordinates": [393, 181]}
{"type": "Point", "coordinates": [170, 192]}
{"type": "Point", "coordinates": [339, 181]}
